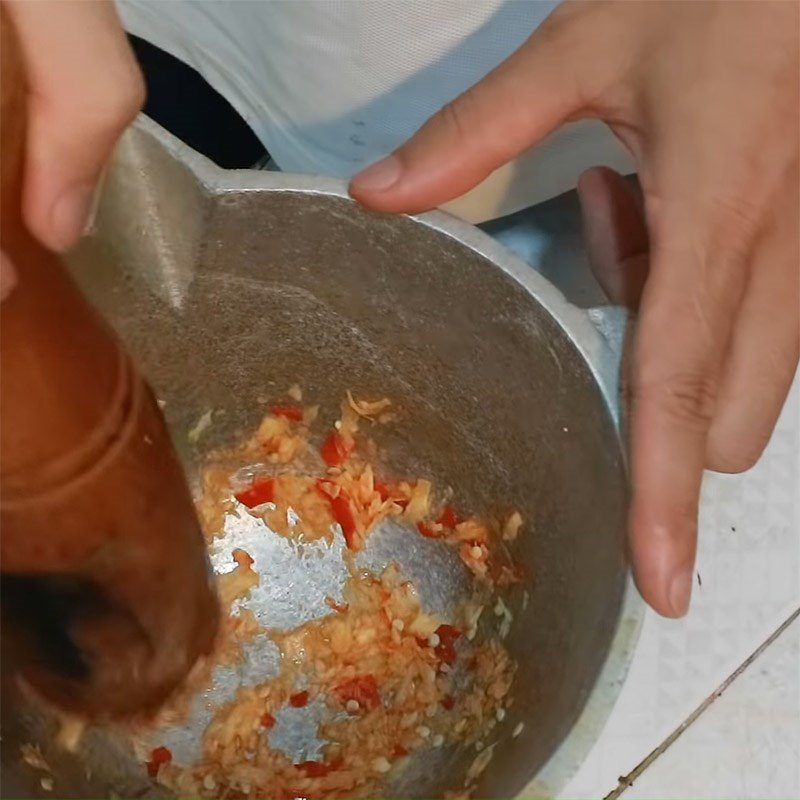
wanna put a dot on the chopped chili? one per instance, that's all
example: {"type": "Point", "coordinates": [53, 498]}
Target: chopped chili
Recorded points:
{"type": "Point", "coordinates": [448, 702]}
{"type": "Point", "coordinates": [319, 769]}
{"type": "Point", "coordinates": [159, 757]}
{"type": "Point", "coordinates": [267, 720]}
{"type": "Point", "coordinates": [342, 512]}
{"type": "Point", "coordinates": [399, 751]}
{"type": "Point", "coordinates": [335, 450]}
{"type": "Point", "coordinates": [262, 491]}
{"type": "Point", "coordinates": [445, 650]}
{"type": "Point", "coordinates": [298, 699]}
{"type": "Point", "coordinates": [448, 517]}
{"type": "Point", "coordinates": [427, 530]}
{"type": "Point", "coordinates": [294, 413]}
{"type": "Point", "coordinates": [383, 490]}
{"type": "Point", "coordinates": [361, 688]}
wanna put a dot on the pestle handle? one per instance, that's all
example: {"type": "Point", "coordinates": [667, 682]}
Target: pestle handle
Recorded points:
{"type": "Point", "coordinates": [106, 594]}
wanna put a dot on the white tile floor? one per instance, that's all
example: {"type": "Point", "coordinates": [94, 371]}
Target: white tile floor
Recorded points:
{"type": "Point", "coordinates": [747, 743]}
{"type": "Point", "coordinates": [749, 563]}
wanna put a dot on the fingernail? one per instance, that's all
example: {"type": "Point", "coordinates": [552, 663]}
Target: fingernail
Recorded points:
{"type": "Point", "coordinates": [680, 592]}
{"type": "Point", "coordinates": [380, 176]}
{"type": "Point", "coordinates": [70, 214]}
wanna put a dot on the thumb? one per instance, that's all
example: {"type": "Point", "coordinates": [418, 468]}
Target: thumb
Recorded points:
{"type": "Point", "coordinates": [84, 87]}
{"type": "Point", "coordinates": [516, 105]}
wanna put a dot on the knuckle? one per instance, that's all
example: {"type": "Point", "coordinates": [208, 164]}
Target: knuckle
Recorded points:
{"type": "Point", "coordinates": [115, 102]}
{"type": "Point", "coordinates": [126, 99]}
{"type": "Point", "coordinates": [733, 213]}
{"type": "Point", "coordinates": [686, 399]}
{"type": "Point", "coordinates": [465, 123]}
{"type": "Point", "coordinates": [456, 114]}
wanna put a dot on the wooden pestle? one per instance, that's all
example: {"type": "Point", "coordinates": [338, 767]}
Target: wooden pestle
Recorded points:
{"type": "Point", "coordinates": [106, 595]}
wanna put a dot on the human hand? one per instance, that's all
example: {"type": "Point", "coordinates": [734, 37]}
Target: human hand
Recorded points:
{"type": "Point", "coordinates": [84, 88]}
{"type": "Point", "coordinates": [705, 96]}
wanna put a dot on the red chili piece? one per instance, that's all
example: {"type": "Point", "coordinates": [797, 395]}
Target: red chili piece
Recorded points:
{"type": "Point", "coordinates": [399, 751]}
{"type": "Point", "coordinates": [361, 688]}
{"type": "Point", "coordinates": [448, 702]}
{"type": "Point", "coordinates": [445, 650]}
{"type": "Point", "coordinates": [159, 757]}
{"type": "Point", "coordinates": [319, 769]}
{"type": "Point", "coordinates": [427, 530]}
{"type": "Point", "coordinates": [294, 413]}
{"type": "Point", "coordinates": [342, 511]}
{"type": "Point", "coordinates": [267, 720]}
{"type": "Point", "coordinates": [335, 449]}
{"type": "Point", "coordinates": [298, 699]}
{"type": "Point", "coordinates": [262, 491]}
{"type": "Point", "coordinates": [448, 517]}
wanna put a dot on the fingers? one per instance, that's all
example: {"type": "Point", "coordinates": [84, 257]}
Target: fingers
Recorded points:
{"type": "Point", "coordinates": [516, 105]}
{"type": "Point", "coordinates": [615, 235]}
{"type": "Point", "coordinates": [84, 89]}
{"type": "Point", "coordinates": [685, 321]}
{"type": "Point", "coordinates": [763, 354]}
{"type": "Point", "coordinates": [721, 402]}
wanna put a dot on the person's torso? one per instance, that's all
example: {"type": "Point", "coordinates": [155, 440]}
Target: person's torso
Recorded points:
{"type": "Point", "coordinates": [329, 86]}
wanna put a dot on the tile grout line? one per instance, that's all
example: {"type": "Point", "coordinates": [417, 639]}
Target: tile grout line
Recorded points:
{"type": "Point", "coordinates": [626, 781]}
